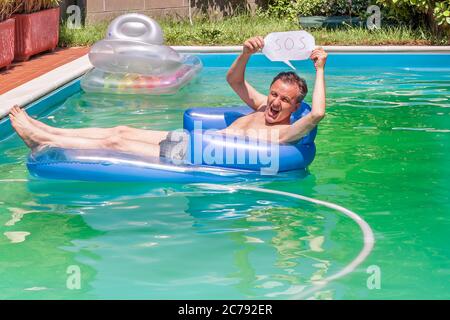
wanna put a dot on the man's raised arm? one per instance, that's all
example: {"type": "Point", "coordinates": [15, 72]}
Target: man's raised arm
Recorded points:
{"type": "Point", "coordinates": [236, 74]}
{"type": "Point", "coordinates": [307, 123]}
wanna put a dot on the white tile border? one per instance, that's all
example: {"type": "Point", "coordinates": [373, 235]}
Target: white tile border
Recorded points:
{"type": "Point", "coordinates": [40, 86]}
{"type": "Point", "coordinates": [356, 49]}
{"type": "Point", "coordinates": [54, 79]}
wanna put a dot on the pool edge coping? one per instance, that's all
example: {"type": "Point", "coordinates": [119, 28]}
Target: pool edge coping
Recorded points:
{"type": "Point", "coordinates": [44, 84]}
{"type": "Point", "coordinates": [346, 49]}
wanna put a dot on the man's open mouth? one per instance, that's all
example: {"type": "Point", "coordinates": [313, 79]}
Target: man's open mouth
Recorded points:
{"type": "Point", "coordinates": [274, 112]}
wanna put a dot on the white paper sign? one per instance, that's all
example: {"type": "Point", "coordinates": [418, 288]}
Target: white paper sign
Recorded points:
{"type": "Point", "coordinates": [291, 45]}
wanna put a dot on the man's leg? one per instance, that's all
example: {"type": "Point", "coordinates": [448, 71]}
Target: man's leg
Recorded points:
{"type": "Point", "coordinates": [141, 135]}
{"type": "Point", "coordinates": [111, 143]}
{"type": "Point", "coordinates": [34, 137]}
{"type": "Point", "coordinates": [128, 133]}
{"type": "Point", "coordinates": [92, 133]}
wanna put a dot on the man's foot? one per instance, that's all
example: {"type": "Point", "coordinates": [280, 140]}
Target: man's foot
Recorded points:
{"type": "Point", "coordinates": [31, 135]}
{"type": "Point", "coordinates": [16, 110]}
{"type": "Point", "coordinates": [44, 127]}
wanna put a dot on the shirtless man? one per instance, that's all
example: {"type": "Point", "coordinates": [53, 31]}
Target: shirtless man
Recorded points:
{"type": "Point", "coordinates": [272, 115]}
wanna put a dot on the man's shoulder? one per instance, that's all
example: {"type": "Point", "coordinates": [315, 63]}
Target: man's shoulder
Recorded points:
{"type": "Point", "coordinates": [261, 108]}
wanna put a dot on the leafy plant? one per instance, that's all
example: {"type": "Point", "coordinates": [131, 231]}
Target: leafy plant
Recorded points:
{"type": "Point", "coordinates": [211, 34]}
{"type": "Point", "coordinates": [442, 13]}
{"type": "Point", "coordinates": [31, 6]}
{"type": "Point", "coordinates": [7, 8]}
{"type": "Point", "coordinates": [311, 8]}
{"type": "Point", "coordinates": [291, 9]}
{"type": "Point", "coordinates": [435, 12]}
{"type": "Point", "coordinates": [284, 9]}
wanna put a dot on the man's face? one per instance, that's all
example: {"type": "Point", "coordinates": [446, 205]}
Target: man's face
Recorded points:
{"type": "Point", "coordinates": [281, 102]}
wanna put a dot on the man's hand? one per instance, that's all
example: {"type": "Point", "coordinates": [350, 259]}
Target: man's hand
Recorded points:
{"type": "Point", "coordinates": [236, 74]}
{"type": "Point", "coordinates": [319, 56]}
{"type": "Point", "coordinates": [253, 45]}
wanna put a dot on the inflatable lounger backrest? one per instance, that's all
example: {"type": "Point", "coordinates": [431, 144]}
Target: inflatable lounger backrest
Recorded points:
{"type": "Point", "coordinates": [221, 117]}
{"type": "Point", "coordinates": [243, 153]}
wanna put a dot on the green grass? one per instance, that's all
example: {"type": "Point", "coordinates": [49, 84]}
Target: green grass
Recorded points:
{"type": "Point", "coordinates": [235, 30]}
{"type": "Point", "coordinates": [385, 36]}
{"type": "Point", "coordinates": [85, 36]}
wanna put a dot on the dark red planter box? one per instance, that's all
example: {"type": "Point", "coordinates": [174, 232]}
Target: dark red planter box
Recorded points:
{"type": "Point", "coordinates": [36, 32]}
{"type": "Point", "coordinates": [6, 42]}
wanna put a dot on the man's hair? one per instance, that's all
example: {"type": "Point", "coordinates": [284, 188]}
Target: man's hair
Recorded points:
{"type": "Point", "coordinates": [292, 78]}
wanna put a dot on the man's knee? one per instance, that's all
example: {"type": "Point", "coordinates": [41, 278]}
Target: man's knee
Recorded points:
{"type": "Point", "coordinates": [121, 130]}
{"type": "Point", "coordinates": [113, 142]}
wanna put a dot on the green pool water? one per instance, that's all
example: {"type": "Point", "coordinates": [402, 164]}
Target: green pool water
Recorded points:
{"type": "Point", "coordinates": [382, 152]}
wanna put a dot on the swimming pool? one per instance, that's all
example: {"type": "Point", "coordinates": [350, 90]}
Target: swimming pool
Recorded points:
{"type": "Point", "coordinates": [382, 151]}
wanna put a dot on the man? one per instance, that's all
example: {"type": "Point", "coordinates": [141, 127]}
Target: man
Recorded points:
{"type": "Point", "coordinates": [271, 116]}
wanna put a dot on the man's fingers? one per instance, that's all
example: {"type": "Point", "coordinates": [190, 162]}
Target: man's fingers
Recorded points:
{"type": "Point", "coordinates": [321, 55]}
{"type": "Point", "coordinates": [318, 54]}
{"type": "Point", "coordinates": [260, 43]}
{"type": "Point", "coordinates": [318, 50]}
{"type": "Point", "coordinates": [256, 44]}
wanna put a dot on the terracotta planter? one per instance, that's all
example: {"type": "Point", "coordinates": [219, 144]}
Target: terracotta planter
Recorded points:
{"type": "Point", "coordinates": [36, 32]}
{"type": "Point", "coordinates": [6, 42]}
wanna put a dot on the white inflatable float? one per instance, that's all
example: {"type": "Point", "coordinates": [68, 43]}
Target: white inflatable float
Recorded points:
{"type": "Point", "coordinates": [133, 59]}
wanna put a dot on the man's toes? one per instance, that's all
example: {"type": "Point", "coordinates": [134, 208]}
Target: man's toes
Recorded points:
{"type": "Point", "coordinates": [12, 119]}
